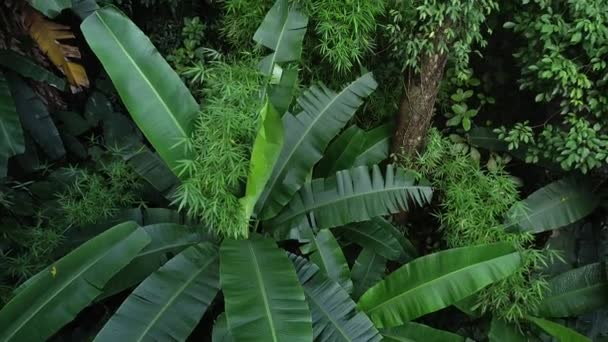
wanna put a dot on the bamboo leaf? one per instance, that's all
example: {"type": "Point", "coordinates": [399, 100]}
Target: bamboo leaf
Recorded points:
{"type": "Point", "coordinates": [169, 304]}
{"type": "Point", "coordinates": [69, 285]}
{"type": "Point", "coordinates": [412, 331]}
{"type": "Point", "coordinates": [307, 135]}
{"type": "Point", "coordinates": [368, 270]}
{"type": "Point", "coordinates": [334, 314]}
{"type": "Point", "coordinates": [553, 206]}
{"type": "Point", "coordinates": [435, 281]}
{"type": "Point", "coordinates": [263, 299]}
{"type": "Point", "coordinates": [327, 254]}
{"type": "Point", "coordinates": [352, 196]}
{"type": "Point", "coordinates": [11, 136]}
{"type": "Point", "coordinates": [139, 72]}
{"type": "Point", "coordinates": [576, 292]}
{"type": "Point", "coordinates": [560, 332]}
{"type": "Point", "coordinates": [266, 150]}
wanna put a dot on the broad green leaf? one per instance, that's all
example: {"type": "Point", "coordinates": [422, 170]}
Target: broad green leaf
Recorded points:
{"type": "Point", "coordinates": [342, 152]}
{"type": "Point", "coordinates": [27, 68]}
{"type": "Point", "coordinates": [158, 101]}
{"type": "Point", "coordinates": [367, 271]}
{"type": "Point", "coordinates": [307, 135]}
{"type": "Point", "coordinates": [61, 291]}
{"type": "Point", "coordinates": [553, 206]}
{"type": "Point", "coordinates": [327, 254]}
{"type": "Point", "coordinates": [220, 330]}
{"type": "Point", "coordinates": [282, 31]}
{"type": "Point", "coordinates": [281, 94]}
{"type": "Point", "coordinates": [501, 331]}
{"type": "Point", "coordinates": [375, 235]}
{"type": "Point", "coordinates": [167, 239]}
{"type": "Point", "coordinates": [169, 303]}
{"type": "Point", "coordinates": [266, 150]}
{"type": "Point", "coordinates": [334, 314]}
{"type": "Point", "coordinates": [35, 117]}
{"type": "Point", "coordinates": [436, 281]}
{"type": "Point", "coordinates": [150, 167]}
{"type": "Point", "coordinates": [351, 196]}
{"type": "Point", "coordinates": [408, 250]}
{"type": "Point", "coordinates": [84, 8]}
{"type": "Point", "coordinates": [11, 136]}
{"type": "Point", "coordinates": [576, 292]}
{"type": "Point", "coordinates": [417, 332]}
{"type": "Point", "coordinates": [484, 137]}
{"type": "Point", "coordinates": [376, 147]}
{"type": "Point", "coordinates": [560, 332]}
{"type": "Point", "coordinates": [50, 8]}
{"type": "Point", "coordinates": [262, 296]}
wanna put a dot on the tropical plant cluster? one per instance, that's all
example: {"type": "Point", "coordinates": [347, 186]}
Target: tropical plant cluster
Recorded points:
{"type": "Point", "coordinates": [303, 170]}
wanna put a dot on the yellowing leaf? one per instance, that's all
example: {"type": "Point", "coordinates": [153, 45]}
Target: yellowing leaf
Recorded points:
{"type": "Point", "coordinates": [48, 35]}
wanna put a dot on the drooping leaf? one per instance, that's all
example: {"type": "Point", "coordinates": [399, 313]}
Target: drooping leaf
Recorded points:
{"type": "Point", "coordinates": [50, 8]}
{"type": "Point", "coordinates": [169, 304]}
{"type": "Point", "coordinates": [334, 314]}
{"type": "Point", "coordinates": [166, 239]}
{"type": "Point", "coordinates": [139, 72]}
{"type": "Point", "coordinates": [69, 285]}
{"type": "Point", "coordinates": [35, 118]}
{"type": "Point", "coordinates": [435, 281]}
{"type": "Point", "coordinates": [11, 137]}
{"type": "Point", "coordinates": [282, 31]}
{"type": "Point", "coordinates": [327, 254]}
{"type": "Point", "coordinates": [367, 271]}
{"type": "Point", "coordinates": [351, 196]}
{"type": "Point", "coordinates": [376, 147]}
{"type": "Point", "coordinates": [560, 332]}
{"type": "Point", "coordinates": [220, 330]}
{"type": "Point", "coordinates": [28, 68]}
{"type": "Point", "coordinates": [374, 235]}
{"type": "Point", "coordinates": [576, 292]}
{"type": "Point", "coordinates": [411, 331]}
{"type": "Point", "coordinates": [553, 206]}
{"type": "Point", "coordinates": [48, 35]}
{"type": "Point", "coordinates": [306, 137]}
{"type": "Point", "coordinates": [266, 150]}
{"type": "Point", "coordinates": [263, 299]}
{"type": "Point", "coordinates": [342, 152]}
{"type": "Point", "coordinates": [501, 331]}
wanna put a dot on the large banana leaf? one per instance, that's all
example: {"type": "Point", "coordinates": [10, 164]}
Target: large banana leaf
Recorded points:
{"type": "Point", "coordinates": [50, 8]}
{"type": "Point", "coordinates": [327, 254]}
{"type": "Point", "coordinates": [166, 239]}
{"type": "Point", "coordinates": [501, 331]}
{"type": "Point", "coordinates": [367, 271]}
{"type": "Point", "coordinates": [553, 206]}
{"type": "Point", "coordinates": [375, 235]}
{"type": "Point", "coordinates": [11, 137]}
{"type": "Point", "coordinates": [307, 135]}
{"type": "Point", "coordinates": [263, 299]}
{"type": "Point", "coordinates": [576, 292]}
{"type": "Point", "coordinates": [560, 332]}
{"type": "Point", "coordinates": [334, 314]}
{"type": "Point", "coordinates": [342, 152]}
{"type": "Point", "coordinates": [376, 147]}
{"type": "Point", "coordinates": [168, 304]}
{"type": "Point", "coordinates": [35, 117]}
{"type": "Point", "coordinates": [266, 150]}
{"type": "Point", "coordinates": [352, 196]}
{"type": "Point", "coordinates": [220, 330]}
{"type": "Point", "coordinates": [158, 101]}
{"type": "Point", "coordinates": [436, 281]}
{"type": "Point", "coordinates": [283, 31]}
{"type": "Point", "coordinates": [150, 167]}
{"type": "Point", "coordinates": [417, 332]}
{"type": "Point", "coordinates": [27, 68]}
{"type": "Point", "coordinates": [70, 284]}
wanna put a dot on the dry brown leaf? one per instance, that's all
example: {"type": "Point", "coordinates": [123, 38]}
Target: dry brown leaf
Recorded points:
{"type": "Point", "coordinates": [48, 35]}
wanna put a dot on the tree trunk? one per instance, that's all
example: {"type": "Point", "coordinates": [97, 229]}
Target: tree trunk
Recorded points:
{"type": "Point", "coordinates": [418, 106]}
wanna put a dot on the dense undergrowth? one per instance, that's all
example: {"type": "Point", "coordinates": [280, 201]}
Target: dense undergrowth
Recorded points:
{"type": "Point", "coordinates": [242, 175]}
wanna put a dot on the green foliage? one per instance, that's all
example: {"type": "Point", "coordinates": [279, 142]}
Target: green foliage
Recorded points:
{"type": "Point", "coordinates": [473, 204]}
{"type": "Point", "coordinates": [416, 28]}
{"type": "Point", "coordinates": [563, 61]}
{"type": "Point", "coordinates": [98, 195]}
{"type": "Point", "coordinates": [191, 49]}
